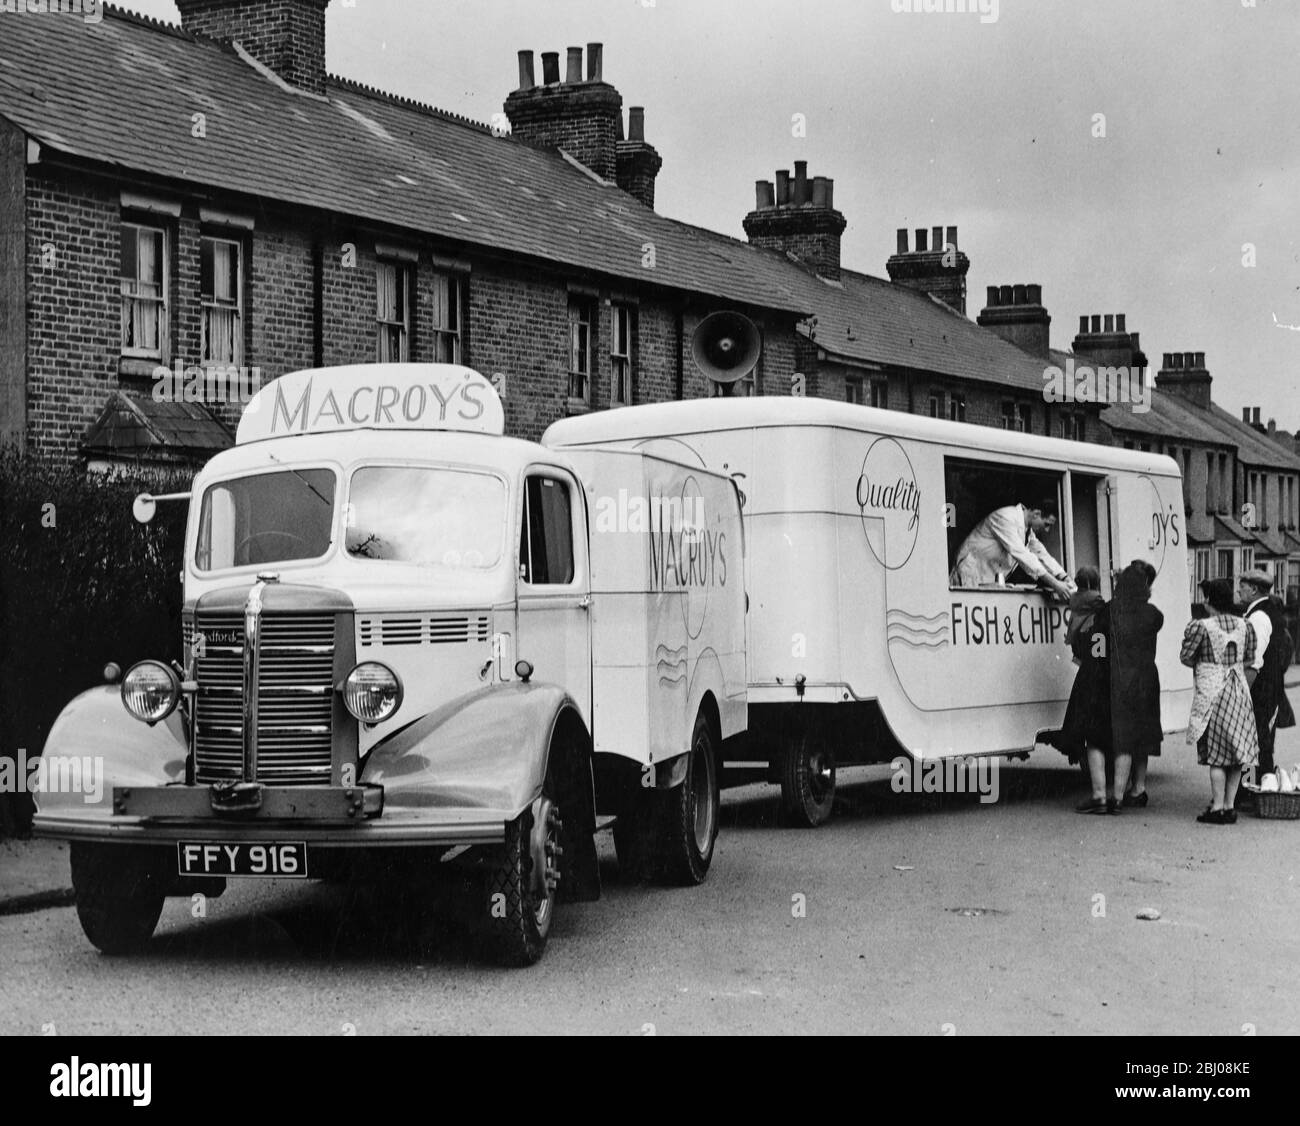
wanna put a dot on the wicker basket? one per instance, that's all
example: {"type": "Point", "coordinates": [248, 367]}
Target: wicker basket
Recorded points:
{"type": "Point", "coordinates": [1275, 805]}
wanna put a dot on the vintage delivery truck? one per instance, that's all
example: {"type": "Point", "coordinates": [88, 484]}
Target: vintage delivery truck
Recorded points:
{"type": "Point", "coordinates": [861, 646]}
{"type": "Point", "coordinates": [404, 631]}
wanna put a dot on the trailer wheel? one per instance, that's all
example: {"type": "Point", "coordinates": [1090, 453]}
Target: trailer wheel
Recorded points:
{"type": "Point", "coordinates": [807, 779]}
{"type": "Point", "coordinates": [119, 891]}
{"type": "Point", "coordinates": [521, 887]}
{"type": "Point", "coordinates": [684, 822]}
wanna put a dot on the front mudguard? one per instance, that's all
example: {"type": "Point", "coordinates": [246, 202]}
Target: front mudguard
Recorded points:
{"type": "Point", "coordinates": [484, 751]}
{"type": "Point", "coordinates": [96, 731]}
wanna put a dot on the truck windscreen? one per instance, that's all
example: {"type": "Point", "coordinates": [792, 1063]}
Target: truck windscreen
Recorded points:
{"type": "Point", "coordinates": [428, 516]}
{"type": "Point", "coordinates": [266, 518]}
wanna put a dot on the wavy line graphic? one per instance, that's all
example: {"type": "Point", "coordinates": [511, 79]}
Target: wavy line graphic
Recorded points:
{"type": "Point", "coordinates": [916, 631]}
{"type": "Point", "coordinates": [941, 617]}
{"type": "Point", "coordinates": [933, 643]}
{"type": "Point", "coordinates": [680, 678]}
{"type": "Point", "coordinates": [662, 651]}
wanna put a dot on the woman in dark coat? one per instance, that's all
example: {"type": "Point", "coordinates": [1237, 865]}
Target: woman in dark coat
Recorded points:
{"type": "Point", "coordinates": [1086, 730]}
{"type": "Point", "coordinates": [1134, 679]}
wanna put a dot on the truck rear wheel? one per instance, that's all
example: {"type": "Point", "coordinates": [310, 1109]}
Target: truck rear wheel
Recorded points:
{"type": "Point", "coordinates": [807, 778]}
{"type": "Point", "coordinates": [684, 820]}
{"type": "Point", "coordinates": [120, 891]}
{"type": "Point", "coordinates": [521, 887]}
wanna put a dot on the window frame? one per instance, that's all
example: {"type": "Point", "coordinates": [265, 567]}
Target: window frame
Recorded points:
{"type": "Point", "coordinates": [622, 367]}
{"type": "Point", "coordinates": [855, 390]}
{"type": "Point", "coordinates": [204, 305]}
{"type": "Point", "coordinates": [956, 407]}
{"type": "Point", "coordinates": [580, 305]}
{"type": "Point", "coordinates": [550, 473]}
{"type": "Point", "coordinates": [162, 302]}
{"type": "Point", "coordinates": [406, 272]}
{"type": "Point", "coordinates": [455, 287]}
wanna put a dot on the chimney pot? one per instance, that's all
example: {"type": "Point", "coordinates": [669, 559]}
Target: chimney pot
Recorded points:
{"type": "Point", "coordinates": [550, 67]}
{"type": "Point", "coordinates": [1006, 295]}
{"type": "Point", "coordinates": [526, 77]}
{"type": "Point", "coordinates": [952, 237]}
{"type": "Point", "coordinates": [1119, 322]}
{"type": "Point", "coordinates": [1178, 359]}
{"type": "Point", "coordinates": [1034, 294]}
{"type": "Point", "coordinates": [1245, 415]}
{"type": "Point", "coordinates": [1272, 427]}
{"type": "Point", "coordinates": [800, 182]}
{"type": "Point", "coordinates": [1018, 295]}
{"type": "Point", "coordinates": [636, 123]}
{"type": "Point", "coordinates": [1110, 323]}
{"type": "Point", "coordinates": [764, 195]}
{"type": "Point", "coordinates": [819, 192]}
{"type": "Point", "coordinates": [574, 73]}
{"type": "Point", "coordinates": [936, 236]}
{"type": "Point", "coordinates": [1083, 326]}
{"type": "Point", "coordinates": [783, 187]}
{"type": "Point", "coordinates": [992, 301]}
{"type": "Point", "coordinates": [902, 240]}
{"type": "Point", "coordinates": [1169, 361]}
{"type": "Point", "coordinates": [922, 240]}
{"type": "Point", "coordinates": [595, 62]}
{"type": "Point", "coordinates": [1096, 323]}
{"type": "Point", "coordinates": [1254, 416]}
{"type": "Point", "coordinates": [1133, 340]}
{"type": "Point", "coordinates": [830, 193]}
{"type": "Point", "coordinates": [1200, 359]}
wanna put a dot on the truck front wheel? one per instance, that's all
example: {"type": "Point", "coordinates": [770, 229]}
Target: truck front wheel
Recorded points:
{"type": "Point", "coordinates": [684, 822]}
{"type": "Point", "coordinates": [120, 891]}
{"type": "Point", "coordinates": [807, 778]}
{"type": "Point", "coordinates": [521, 887]}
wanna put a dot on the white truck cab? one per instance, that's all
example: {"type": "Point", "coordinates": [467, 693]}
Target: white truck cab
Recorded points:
{"type": "Point", "coordinates": [404, 630]}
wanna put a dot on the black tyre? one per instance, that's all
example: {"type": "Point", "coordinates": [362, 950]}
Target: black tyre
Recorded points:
{"type": "Point", "coordinates": [120, 891]}
{"type": "Point", "coordinates": [521, 886]}
{"type": "Point", "coordinates": [807, 778]}
{"type": "Point", "coordinates": [683, 821]}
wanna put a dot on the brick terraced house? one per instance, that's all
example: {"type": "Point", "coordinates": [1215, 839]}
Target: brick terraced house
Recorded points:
{"type": "Point", "coordinates": [207, 199]}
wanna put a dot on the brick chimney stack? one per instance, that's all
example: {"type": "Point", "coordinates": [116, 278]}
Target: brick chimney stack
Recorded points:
{"type": "Point", "coordinates": [1106, 341]}
{"type": "Point", "coordinates": [799, 218]}
{"type": "Point", "coordinates": [1184, 374]}
{"type": "Point", "coordinates": [638, 162]}
{"type": "Point", "coordinates": [286, 36]}
{"type": "Point", "coordinates": [1016, 313]}
{"type": "Point", "coordinates": [581, 116]}
{"type": "Point", "coordinates": [935, 267]}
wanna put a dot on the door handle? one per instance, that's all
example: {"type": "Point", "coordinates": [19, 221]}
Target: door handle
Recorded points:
{"type": "Point", "coordinates": [584, 603]}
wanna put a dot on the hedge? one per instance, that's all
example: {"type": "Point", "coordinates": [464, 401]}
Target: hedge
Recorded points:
{"type": "Point", "coordinates": [81, 584]}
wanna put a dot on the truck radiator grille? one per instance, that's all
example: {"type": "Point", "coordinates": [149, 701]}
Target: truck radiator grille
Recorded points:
{"type": "Point", "coordinates": [295, 698]}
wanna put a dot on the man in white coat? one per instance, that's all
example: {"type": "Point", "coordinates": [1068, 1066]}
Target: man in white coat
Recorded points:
{"type": "Point", "coordinates": [1004, 539]}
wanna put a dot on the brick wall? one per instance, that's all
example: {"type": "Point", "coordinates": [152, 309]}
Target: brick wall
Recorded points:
{"type": "Point", "coordinates": [13, 285]}
{"type": "Point", "coordinates": [74, 310]}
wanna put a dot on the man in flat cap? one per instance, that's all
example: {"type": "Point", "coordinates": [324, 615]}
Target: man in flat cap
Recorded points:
{"type": "Point", "coordinates": [1272, 658]}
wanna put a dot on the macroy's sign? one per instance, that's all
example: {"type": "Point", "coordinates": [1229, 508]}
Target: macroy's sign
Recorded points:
{"type": "Point", "coordinates": [365, 397]}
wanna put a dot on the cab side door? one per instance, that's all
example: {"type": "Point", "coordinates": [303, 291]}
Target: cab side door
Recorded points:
{"type": "Point", "coordinates": [554, 582]}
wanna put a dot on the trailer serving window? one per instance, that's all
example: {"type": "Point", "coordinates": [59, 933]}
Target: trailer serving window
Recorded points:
{"type": "Point", "coordinates": [976, 489]}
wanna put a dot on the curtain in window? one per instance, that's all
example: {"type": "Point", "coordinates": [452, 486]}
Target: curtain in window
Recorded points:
{"type": "Point", "coordinates": [142, 288]}
{"type": "Point", "coordinates": [445, 295]}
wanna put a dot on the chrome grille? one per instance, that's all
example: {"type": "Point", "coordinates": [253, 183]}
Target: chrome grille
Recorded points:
{"type": "Point", "coordinates": [295, 698]}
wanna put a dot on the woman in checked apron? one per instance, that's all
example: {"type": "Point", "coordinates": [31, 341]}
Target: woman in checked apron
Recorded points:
{"type": "Point", "coordinates": [1222, 725]}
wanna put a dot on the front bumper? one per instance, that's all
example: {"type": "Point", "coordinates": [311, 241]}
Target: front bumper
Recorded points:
{"type": "Point", "coordinates": [340, 817]}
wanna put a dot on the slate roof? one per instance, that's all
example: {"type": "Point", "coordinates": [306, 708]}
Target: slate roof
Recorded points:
{"type": "Point", "coordinates": [122, 91]}
{"type": "Point", "coordinates": [132, 425]}
{"type": "Point", "coordinates": [1169, 417]}
{"type": "Point", "coordinates": [1253, 448]}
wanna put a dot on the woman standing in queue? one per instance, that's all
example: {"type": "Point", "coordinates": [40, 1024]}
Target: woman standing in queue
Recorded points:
{"type": "Point", "coordinates": [1222, 724]}
{"type": "Point", "coordinates": [1134, 680]}
{"type": "Point", "coordinates": [1086, 729]}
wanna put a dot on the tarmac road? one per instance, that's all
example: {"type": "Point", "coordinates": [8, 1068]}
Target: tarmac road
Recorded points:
{"type": "Point", "coordinates": [921, 913]}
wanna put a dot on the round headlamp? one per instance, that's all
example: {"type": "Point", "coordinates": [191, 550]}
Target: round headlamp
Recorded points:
{"type": "Point", "coordinates": [372, 692]}
{"type": "Point", "coordinates": [151, 691]}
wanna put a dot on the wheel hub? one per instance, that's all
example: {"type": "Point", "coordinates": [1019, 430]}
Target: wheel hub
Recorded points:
{"type": "Point", "coordinates": [545, 851]}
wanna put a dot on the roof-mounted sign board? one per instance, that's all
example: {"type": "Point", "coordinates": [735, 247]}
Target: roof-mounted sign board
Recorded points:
{"type": "Point", "coordinates": [373, 397]}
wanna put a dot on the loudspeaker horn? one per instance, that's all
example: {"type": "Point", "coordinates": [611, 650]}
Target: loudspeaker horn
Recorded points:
{"type": "Point", "coordinates": [726, 346]}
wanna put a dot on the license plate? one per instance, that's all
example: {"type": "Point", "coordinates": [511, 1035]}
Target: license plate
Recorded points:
{"type": "Point", "coordinates": [271, 861]}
